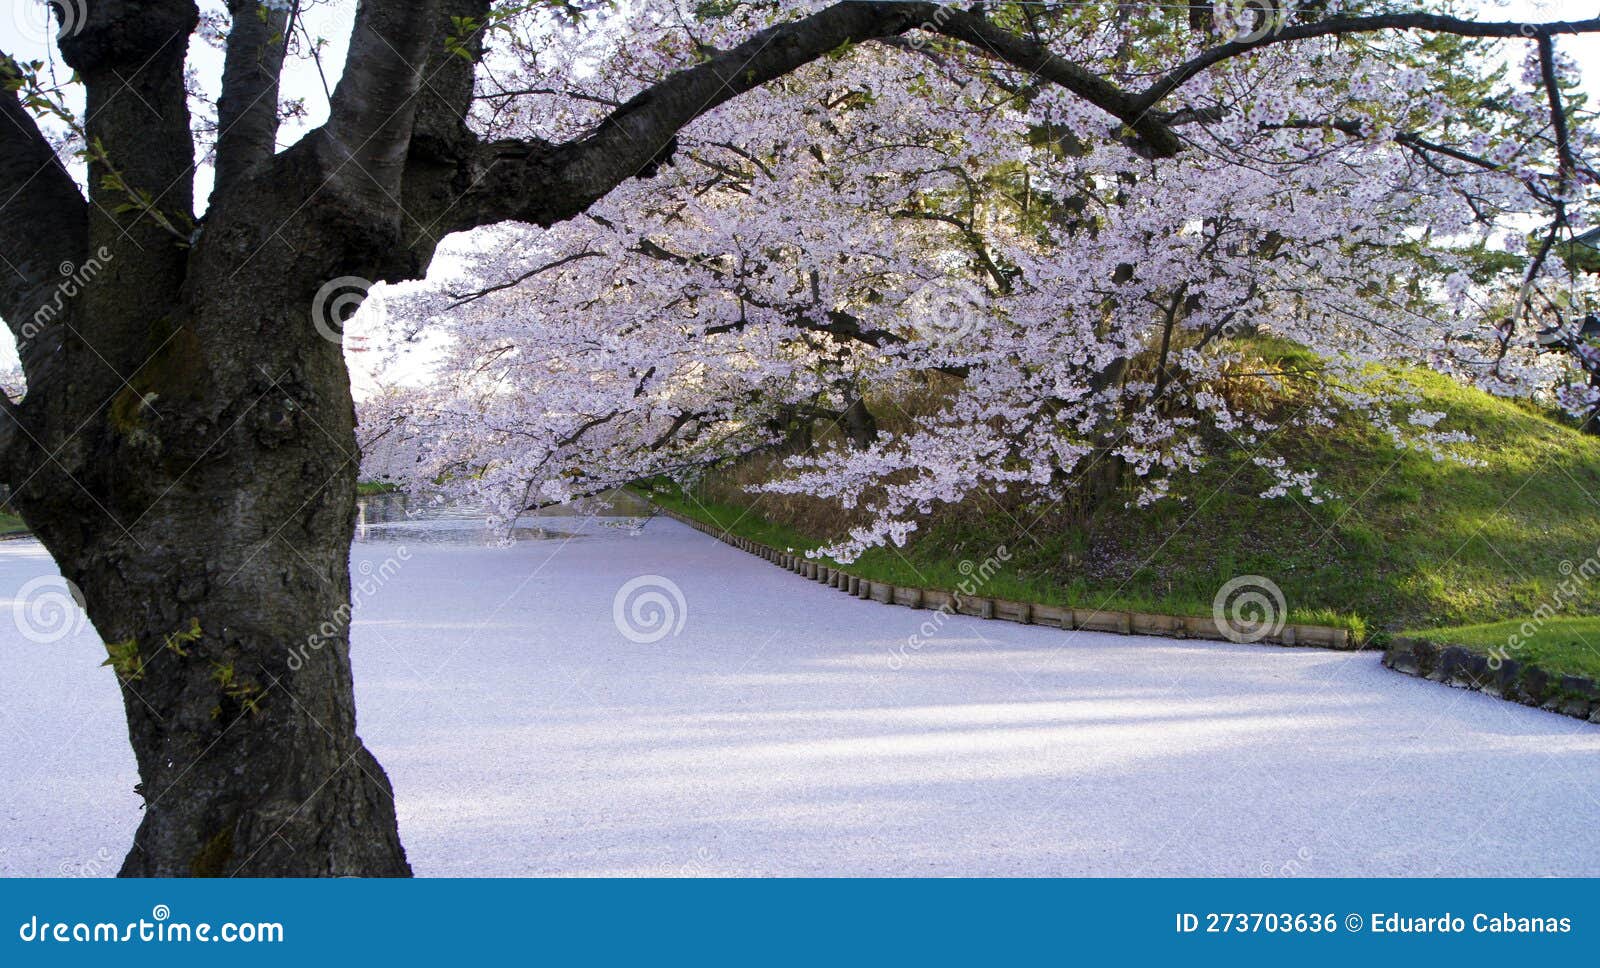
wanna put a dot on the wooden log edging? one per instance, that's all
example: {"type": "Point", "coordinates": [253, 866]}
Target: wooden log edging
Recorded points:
{"type": "Point", "coordinates": [1503, 678]}
{"type": "Point", "coordinates": [1026, 613]}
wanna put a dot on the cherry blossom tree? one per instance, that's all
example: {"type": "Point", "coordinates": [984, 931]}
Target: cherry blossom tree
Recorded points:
{"type": "Point", "coordinates": [877, 223]}
{"type": "Point", "coordinates": [186, 445]}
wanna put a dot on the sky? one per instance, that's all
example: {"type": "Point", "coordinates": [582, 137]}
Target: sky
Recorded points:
{"type": "Point", "coordinates": [26, 35]}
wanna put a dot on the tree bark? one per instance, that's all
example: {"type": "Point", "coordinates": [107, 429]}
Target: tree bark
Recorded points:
{"type": "Point", "coordinates": [859, 423]}
{"type": "Point", "coordinates": [186, 452]}
{"type": "Point", "coordinates": [206, 510]}
{"type": "Point", "coordinates": [249, 762]}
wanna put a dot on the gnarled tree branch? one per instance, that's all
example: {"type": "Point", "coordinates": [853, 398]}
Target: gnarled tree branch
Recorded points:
{"type": "Point", "coordinates": [544, 183]}
{"type": "Point", "coordinates": [371, 120]}
{"type": "Point", "coordinates": [43, 218]}
{"type": "Point", "coordinates": [141, 179]}
{"type": "Point", "coordinates": [1340, 26]}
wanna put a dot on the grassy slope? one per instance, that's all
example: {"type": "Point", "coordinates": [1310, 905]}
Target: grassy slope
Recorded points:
{"type": "Point", "coordinates": [11, 524]}
{"type": "Point", "coordinates": [1408, 542]}
{"type": "Point", "coordinates": [1562, 645]}
{"type": "Point", "coordinates": [732, 518]}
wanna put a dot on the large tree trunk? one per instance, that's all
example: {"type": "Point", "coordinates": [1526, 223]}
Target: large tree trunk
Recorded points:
{"type": "Point", "coordinates": [240, 709]}
{"type": "Point", "coordinates": [188, 456]}
{"type": "Point", "coordinates": [187, 446]}
{"type": "Point", "coordinates": [186, 449]}
{"type": "Point", "coordinates": [208, 524]}
{"type": "Point", "coordinates": [206, 513]}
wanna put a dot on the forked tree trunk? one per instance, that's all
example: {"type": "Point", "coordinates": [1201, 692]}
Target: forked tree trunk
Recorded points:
{"type": "Point", "coordinates": [186, 449]}
{"type": "Point", "coordinates": [189, 459]}
{"type": "Point", "coordinates": [208, 524]}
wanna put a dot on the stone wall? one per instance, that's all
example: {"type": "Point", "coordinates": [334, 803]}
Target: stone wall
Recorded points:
{"type": "Point", "coordinates": [1506, 678]}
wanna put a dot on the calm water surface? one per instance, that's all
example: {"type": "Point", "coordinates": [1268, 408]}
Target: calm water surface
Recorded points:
{"type": "Point", "coordinates": [401, 517]}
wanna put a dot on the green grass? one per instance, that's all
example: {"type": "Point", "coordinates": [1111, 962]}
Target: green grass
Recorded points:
{"type": "Point", "coordinates": [1407, 542]}
{"type": "Point", "coordinates": [1560, 646]}
{"type": "Point", "coordinates": [369, 488]}
{"type": "Point", "coordinates": [899, 567]}
{"type": "Point", "coordinates": [728, 517]}
{"type": "Point", "coordinates": [11, 524]}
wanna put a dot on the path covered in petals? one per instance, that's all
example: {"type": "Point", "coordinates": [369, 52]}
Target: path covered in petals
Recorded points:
{"type": "Point", "coordinates": [786, 728]}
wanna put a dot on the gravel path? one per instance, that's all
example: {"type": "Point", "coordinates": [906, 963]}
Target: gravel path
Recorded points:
{"type": "Point", "coordinates": [790, 729]}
